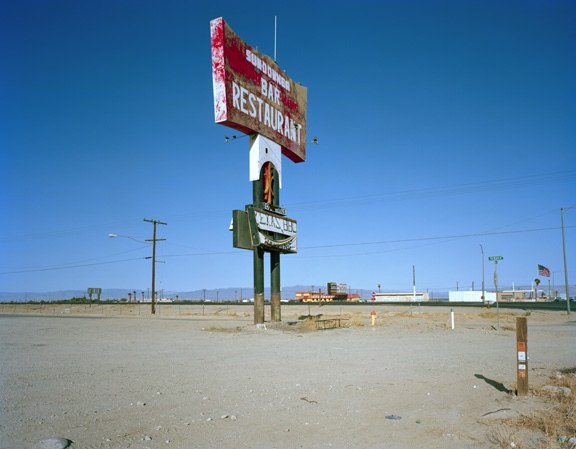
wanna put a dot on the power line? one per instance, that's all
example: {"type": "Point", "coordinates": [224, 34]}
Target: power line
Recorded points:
{"type": "Point", "coordinates": [337, 245]}
{"type": "Point", "coordinates": [31, 270]}
{"type": "Point", "coordinates": [427, 192]}
{"type": "Point", "coordinates": [458, 236]}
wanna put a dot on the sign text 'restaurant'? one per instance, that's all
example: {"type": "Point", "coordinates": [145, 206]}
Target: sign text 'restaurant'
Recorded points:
{"type": "Point", "coordinates": [253, 95]}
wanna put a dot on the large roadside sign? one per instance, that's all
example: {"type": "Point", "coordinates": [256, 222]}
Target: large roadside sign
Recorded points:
{"type": "Point", "coordinates": [254, 95]}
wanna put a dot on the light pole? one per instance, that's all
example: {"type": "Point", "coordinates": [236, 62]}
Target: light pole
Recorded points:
{"type": "Point", "coordinates": [562, 211]}
{"type": "Point", "coordinates": [153, 240]}
{"type": "Point", "coordinates": [496, 259]}
{"type": "Point", "coordinates": [554, 293]}
{"type": "Point", "coordinates": [482, 249]}
{"type": "Point", "coordinates": [131, 238]}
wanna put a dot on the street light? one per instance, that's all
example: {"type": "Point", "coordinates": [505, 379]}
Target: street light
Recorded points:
{"type": "Point", "coordinates": [125, 237]}
{"type": "Point", "coordinates": [153, 240]}
{"type": "Point", "coordinates": [562, 211]}
{"type": "Point", "coordinates": [112, 236]}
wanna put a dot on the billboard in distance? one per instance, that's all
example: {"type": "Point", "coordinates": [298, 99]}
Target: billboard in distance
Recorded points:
{"type": "Point", "coordinates": [253, 95]}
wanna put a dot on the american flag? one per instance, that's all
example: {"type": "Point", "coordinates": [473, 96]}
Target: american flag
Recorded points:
{"type": "Point", "coordinates": [543, 271]}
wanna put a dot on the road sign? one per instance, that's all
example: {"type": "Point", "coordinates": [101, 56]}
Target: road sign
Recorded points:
{"type": "Point", "coordinates": [495, 258]}
{"type": "Point", "coordinates": [373, 296]}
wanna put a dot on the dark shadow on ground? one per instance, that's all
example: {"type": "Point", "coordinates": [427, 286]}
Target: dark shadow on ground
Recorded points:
{"type": "Point", "coordinates": [497, 385]}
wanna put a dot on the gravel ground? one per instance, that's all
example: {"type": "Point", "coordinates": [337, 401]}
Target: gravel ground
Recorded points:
{"type": "Point", "coordinates": [101, 380]}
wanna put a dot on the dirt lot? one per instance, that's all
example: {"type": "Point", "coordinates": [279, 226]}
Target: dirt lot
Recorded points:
{"type": "Point", "coordinates": [207, 377]}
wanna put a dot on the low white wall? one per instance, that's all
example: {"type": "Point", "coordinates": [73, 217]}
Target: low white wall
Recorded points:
{"type": "Point", "coordinates": [471, 296]}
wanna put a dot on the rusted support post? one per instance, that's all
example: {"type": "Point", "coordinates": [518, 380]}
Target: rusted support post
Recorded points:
{"type": "Point", "coordinates": [258, 286]}
{"type": "Point", "coordinates": [275, 286]}
{"type": "Point", "coordinates": [275, 289]}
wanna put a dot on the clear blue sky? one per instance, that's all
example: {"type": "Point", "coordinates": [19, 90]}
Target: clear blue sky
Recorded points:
{"type": "Point", "coordinates": [442, 125]}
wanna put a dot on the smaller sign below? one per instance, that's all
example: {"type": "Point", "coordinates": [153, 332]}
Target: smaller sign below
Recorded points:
{"type": "Point", "coordinates": [241, 237]}
{"type": "Point", "coordinates": [257, 228]}
{"type": "Point", "coordinates": [272, 232]}
{"type": "Point", "coordinates": [521, 356]}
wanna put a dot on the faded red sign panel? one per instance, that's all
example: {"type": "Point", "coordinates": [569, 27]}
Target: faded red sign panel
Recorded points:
{"type": "Point", "coordinates": [253, 95]}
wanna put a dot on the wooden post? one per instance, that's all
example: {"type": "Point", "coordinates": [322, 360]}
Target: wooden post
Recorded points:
{"type": "Point", "coordinates": [522, 356]}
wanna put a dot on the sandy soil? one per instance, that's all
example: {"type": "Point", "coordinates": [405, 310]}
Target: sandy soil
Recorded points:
{"type": "Point", "coordinates": [193, 378]}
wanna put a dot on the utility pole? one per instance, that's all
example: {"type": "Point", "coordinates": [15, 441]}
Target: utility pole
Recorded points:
{"type": "Point", "coordinates": [496, 259]}
{"type": "Point", "coordinates": [154, 240]}
{"type": "Point", "coordinates": [562, 211]}
{"type": "Point", "coordinates": [483, 292]}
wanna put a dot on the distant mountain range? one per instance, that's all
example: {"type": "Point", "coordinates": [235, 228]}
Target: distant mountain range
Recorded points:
{"type": "Point", "coordinates": [222, 294]}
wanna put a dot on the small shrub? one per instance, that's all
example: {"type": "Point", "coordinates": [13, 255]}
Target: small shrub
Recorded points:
{"type": "Point", "coordinates": [552, 423]}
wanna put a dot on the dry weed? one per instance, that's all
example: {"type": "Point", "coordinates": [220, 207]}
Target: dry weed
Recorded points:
{"type": "Point", "coordinates": [223, 329]}
{"type": "Point", "coordinates": [310, 322]}
{"type": "Point", "coordinates": [557, 421]}
{"type": "Point", "coordinates": [506, 437]}
{"type": "Point", "coordinates": [492, 315]}
{"type": "Point", "coordinates": [308, 325]}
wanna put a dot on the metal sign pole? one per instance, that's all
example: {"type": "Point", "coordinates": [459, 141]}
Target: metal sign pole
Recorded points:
{"type": "Point", "coordinates": [496, 286]}
{"type": "Point", "coordinates": [258, 264]}
{"type": "Point", "coordinates": [275, 285]}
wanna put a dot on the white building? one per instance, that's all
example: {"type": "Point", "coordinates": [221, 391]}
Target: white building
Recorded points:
{"type": "Point", "coordinates": [401, 297]}
{"type": "Point", "coordinates": [471, 296]}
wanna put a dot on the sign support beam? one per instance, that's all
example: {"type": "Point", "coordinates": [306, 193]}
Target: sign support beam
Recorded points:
{"type": "Point", "coordinates": [258, 265]}
{"type": "Point", "coordinates": [275, 287]}
{"type": "Point", "coordinates": [258, 286]}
